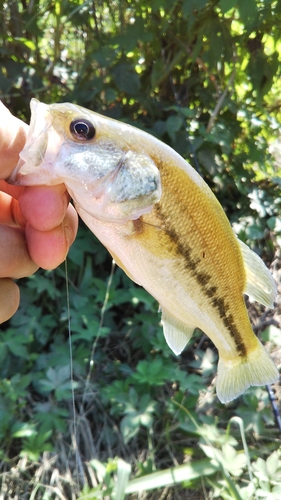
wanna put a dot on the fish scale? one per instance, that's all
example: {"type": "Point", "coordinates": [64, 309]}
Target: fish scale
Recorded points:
{"type": "Point", "coordinates": [164, 228]}
{"type": "Point", "coordinates": [188, 265]}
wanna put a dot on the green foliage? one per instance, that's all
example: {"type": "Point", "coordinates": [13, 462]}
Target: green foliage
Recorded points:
{"type": "Point", "coordinates": [203, 76]}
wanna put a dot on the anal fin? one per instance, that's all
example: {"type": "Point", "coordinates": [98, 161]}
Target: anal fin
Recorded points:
{"type": "Point", "coordinates": [260, 282]}
{"type": "Point", "coordinates": [177, 333]}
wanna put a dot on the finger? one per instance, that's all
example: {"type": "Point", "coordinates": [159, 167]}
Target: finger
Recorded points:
{"type": "Point", "coordinates": [9, 299]}
{"type": "Point", "coordinates": [10, 213]}
{"type": "Point", "coordinates": [15, 261]}
{"type": "Point", "coordinates": [12, 140]}
{"type": "Point", "coordinates": [49, 248]}
{"type": "Point", "coordinates": [51, 204]}
{"type": "Point", "coordinates": [14, 191]}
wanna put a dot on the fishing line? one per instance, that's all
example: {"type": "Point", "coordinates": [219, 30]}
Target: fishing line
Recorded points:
{"type": "Point", "coordinates": [78, 463]}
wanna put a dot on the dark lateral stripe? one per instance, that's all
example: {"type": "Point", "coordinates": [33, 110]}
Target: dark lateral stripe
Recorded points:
{"type": "Point", "coordinates": [203, 279]}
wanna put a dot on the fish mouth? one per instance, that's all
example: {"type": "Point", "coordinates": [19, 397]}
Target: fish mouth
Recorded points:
{"type": "Point", "coordinates": [37, 150]}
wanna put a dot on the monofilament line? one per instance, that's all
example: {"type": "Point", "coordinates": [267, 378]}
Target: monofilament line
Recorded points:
{"type": "Point", "coordinates": [78, 463]}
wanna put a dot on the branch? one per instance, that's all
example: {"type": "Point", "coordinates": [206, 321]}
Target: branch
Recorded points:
{"type": "Point", "coordinates": [220, 102]}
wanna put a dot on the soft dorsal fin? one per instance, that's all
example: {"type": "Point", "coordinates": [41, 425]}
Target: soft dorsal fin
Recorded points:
{"type": "Point", "coordinates": [177, 333]}
{"type": "Point", "coordinates": [260, 284]}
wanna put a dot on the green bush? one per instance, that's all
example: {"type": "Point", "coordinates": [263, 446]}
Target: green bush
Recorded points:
{"type": "Point", "coordinates": [118, 412]}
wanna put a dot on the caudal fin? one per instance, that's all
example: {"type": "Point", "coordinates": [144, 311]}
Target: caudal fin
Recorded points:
{"type": "Point", "coordinates": [235, 376]}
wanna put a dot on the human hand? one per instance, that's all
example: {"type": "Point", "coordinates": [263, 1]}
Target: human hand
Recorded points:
{"type": "Point", "coordinates": [37, 224]}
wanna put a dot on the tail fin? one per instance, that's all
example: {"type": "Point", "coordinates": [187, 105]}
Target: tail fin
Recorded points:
{"type": "Point", "coordinates": [236, 375]}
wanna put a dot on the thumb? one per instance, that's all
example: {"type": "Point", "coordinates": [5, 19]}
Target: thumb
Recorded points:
{"type": "Point", "coordinates": [12, 139]}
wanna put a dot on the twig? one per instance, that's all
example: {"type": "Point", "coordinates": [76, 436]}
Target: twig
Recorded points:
{"type": "Point", "coordinates": [200, 63]}
{"type": "Point", "coordinates": [275, 409]}
{"type": "Point", "coordinates": [219, 103]}
{"type": "Point", "coordinates": [263, 324]}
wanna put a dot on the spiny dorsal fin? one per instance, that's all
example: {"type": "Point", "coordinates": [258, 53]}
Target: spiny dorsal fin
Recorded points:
{"type": "Point", "coordinates": [260, 284]}
{"type": "Point", "coordinates": [177, 333]}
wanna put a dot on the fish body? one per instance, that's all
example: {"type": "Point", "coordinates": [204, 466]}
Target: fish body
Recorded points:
{"type": "Point", "coordinates": [164, 228]}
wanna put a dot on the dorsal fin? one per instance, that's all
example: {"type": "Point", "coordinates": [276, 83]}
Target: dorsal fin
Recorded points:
{"type": "Point", "coordinates": [260, 284]}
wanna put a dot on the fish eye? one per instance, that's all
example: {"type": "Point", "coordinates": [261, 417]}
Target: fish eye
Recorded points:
{"type": "Point", "coordinates": [82, 129]}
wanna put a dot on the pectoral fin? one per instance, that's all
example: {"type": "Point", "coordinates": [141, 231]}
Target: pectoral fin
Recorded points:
{"type": "Point", "coordinates": [260, 284]}
{"type": "Point", "coordinates": [177, 333]}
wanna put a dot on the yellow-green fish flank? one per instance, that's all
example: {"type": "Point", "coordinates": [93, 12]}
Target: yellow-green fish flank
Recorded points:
{"type": "Point", "coordinates": [163, 226]}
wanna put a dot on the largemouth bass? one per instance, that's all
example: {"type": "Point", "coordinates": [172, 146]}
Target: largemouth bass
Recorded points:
{"type": "Point", "coordinates": [163, 226]}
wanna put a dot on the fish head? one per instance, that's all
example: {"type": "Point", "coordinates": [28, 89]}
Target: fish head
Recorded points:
{"type": "Point", "coordinates": [101, 162]}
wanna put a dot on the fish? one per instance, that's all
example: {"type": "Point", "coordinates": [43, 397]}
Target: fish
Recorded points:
{"type": "Point", "coordinates": [163, 226]}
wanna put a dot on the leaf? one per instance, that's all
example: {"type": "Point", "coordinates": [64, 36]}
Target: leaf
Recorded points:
{"type": "Point", "coordinates": [126, 79]}
{"type": "Point", "coordinates": [192, 383]}
{"type": "Point", "coordinates": [276, 490]}
{"type": "Point", "coordinates": [3, 352]}
{"type": "Point", "coordinates": [175, 475]}
{"type": "Point", "coordinates": [58, 380]}
{"type": "Point", "coordinates": [254, 232]}
{"type": "Point", "coordinates": [260, 470]}
{"type": "Point", "coordinates": [273, 334]}
{"type": "Point", "coordinates": [36, 444]}
{"type": "Point", "coordinates": [129, 426]}
{"type": "Point", "coordinates": [139, 294]}
{"type": "Point", "coordinates": [188, 6]}
{"type": "Point", "coordinates": [151, 372]}
{"type": "Point", "coordinates": [64, 391]}
{"type": "Point", "coordinates": [248, 492]}
{"type": "Point", "coordinates": [226, 5]}
{"type": "Point", "coordinates": [28, 43]}
{"type": "Point", "coordinates": [99, 468]}
{"type": "Point", "coordinates": [213, 32]}
{"type": "Point", "coordinates": [122, 480]}
{"type": "Point", "coordinates": [264, 490]}
{"type": "Point", "coordinates": [55, 376]}
{"type": "Point", "coordinates": [272, 464]}
{"type": "Point", "coordinates": [274, 223]}
{"type": "Point", "coordinates": [17, 348]}
{"type": "Point", "coordinates": [234, 462]}
{"type": "Point", "coordinates": [173, 125]}
{"type": "Point", "coordinates": [248, 12]}
{"type": "Point", "coordinates": [21, 430]}
{"type": "Point", "coordinates": [214, 454]}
